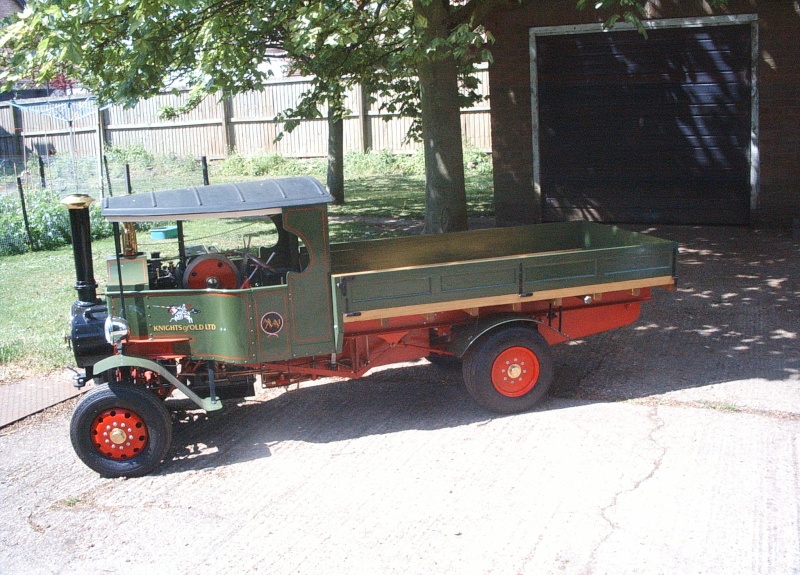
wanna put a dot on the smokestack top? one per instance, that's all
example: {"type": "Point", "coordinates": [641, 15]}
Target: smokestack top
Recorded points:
{"type": "Point", "coordinates": [77, 201]}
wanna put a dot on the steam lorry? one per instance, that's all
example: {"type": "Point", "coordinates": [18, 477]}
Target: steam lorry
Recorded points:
{"type": "Point", "coordinates": [216, 324]}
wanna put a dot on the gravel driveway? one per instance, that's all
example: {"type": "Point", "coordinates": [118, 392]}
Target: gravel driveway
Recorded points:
{"type": "Point", "coordinates": [671, 446]}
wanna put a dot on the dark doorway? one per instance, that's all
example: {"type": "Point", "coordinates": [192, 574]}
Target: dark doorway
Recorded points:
{"type": "Point", "coordinates": [646, 130]}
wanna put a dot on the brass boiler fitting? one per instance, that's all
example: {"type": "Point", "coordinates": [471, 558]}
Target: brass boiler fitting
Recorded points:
{"type": "Point", "coordinates": [130, 245]}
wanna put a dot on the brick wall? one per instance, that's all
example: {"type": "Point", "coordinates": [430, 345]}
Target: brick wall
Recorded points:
{"type": "Point", "coordinates": [9, 7]}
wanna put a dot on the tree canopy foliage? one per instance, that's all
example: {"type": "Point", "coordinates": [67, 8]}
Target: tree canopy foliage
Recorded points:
{"type": "Point", "coordinates": [418, 52]}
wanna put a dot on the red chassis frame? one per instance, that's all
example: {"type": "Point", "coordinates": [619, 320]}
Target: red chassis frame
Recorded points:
{"type": "Point", "coordinates": [375, 342]}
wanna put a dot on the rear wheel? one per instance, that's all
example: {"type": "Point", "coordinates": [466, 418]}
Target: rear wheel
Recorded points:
{"type": "Point", "coordinates": [509, 370]}
{"type": "Point", "coordinates": [121, 430]}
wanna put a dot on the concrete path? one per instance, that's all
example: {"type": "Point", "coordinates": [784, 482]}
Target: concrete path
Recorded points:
{"type": "Point", "coordinates": [668, 447]}
{"type": "Point", "coordinates": [32, 395]}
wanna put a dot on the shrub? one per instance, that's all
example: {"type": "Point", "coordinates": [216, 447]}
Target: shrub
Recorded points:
{"type": "Point", "coordinates": [356, 164]}
{"type": "Point", "coordinates": [48, 220]}
{"type": "Point", "coordinates": [268, 165]}
{"type": "Point", "coordinates": [134, 155]}
{"type": "Point", "coordinates": [384, 163]}
{"type": "Point", "coordinates": [477, 161]}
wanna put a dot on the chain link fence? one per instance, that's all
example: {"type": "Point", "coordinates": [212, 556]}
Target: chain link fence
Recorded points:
{"type": "Point", "coordinates": [31, 217]}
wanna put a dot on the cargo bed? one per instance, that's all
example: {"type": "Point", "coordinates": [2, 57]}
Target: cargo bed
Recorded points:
{"type": "Point", "coordinates": [427, 274]}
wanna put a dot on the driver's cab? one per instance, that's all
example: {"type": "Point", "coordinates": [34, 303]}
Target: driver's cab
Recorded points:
{"type": "Point", "coordinates": [240, 269]}
{"type": "Point", "coordinates": [265, 255]}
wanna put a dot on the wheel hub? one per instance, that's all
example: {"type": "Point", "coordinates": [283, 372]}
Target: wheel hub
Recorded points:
{"type": "Point", "coordinates": [515, 371]}
{"type": "Point", "coordinates": [119, 434]}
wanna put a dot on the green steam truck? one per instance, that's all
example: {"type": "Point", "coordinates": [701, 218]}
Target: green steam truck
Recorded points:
{"type": "Point", "coordinates": [214, 324]}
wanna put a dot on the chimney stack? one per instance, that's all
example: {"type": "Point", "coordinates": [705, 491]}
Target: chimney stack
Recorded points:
{"type": "Point", "coordinates": [78, 205]}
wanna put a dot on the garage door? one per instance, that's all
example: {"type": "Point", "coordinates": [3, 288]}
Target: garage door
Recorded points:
{"type": "Point", "coordinates": [653, 130]}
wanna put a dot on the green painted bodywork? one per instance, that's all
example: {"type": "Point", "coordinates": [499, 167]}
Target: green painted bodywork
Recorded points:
{"type": "Point", "coordinates": [243, 326]}
{"type": "Point", "coordinates": [304, 316]}
{"type": "Point", "coordinates": [310, 308]}
{"type": "Point", "coordinates": [422, 270]}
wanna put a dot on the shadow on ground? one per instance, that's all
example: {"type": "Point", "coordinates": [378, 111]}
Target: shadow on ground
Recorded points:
{"type": "Point", "coordinates": [417, 397]}
{"type": "Point", "coordinates": [735, 316]}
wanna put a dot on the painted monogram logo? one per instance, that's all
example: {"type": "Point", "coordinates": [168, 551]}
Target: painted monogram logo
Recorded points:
{"type": "Point", "coordinates": [272, 323]}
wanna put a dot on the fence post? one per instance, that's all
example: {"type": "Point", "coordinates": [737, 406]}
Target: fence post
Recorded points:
{"type": "Point", "coordinates": [204, 164]}
{"type": "Point", "coordinates": [24, 211]}
{"type": "Point", "coordinates": [16, 131]}
{"type": "Point", "coordinates": [42, 179]}
{"type": "Point", "coordinates": [363, 117]}
{"type": "Point", "coordinates": [227, 128]}
{"type": "Point", "coordinates": [108, 176]}
{"type": "Point", "coordinates": [128, 187]}
{"type": "Point", "coordinates": [101, 148]}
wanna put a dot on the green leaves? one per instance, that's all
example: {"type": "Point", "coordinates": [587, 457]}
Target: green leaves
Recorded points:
{"type": "Point", "coordinates": [632, 11]}
{"type": "Point", "coordinates": [126, 50]}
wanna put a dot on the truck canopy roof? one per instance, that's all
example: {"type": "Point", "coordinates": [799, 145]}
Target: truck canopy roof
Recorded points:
{"type": "Point", "coordinates": [244, 199]}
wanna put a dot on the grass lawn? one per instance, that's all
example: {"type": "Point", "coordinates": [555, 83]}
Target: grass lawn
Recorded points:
{"type": "Point", "coordinates": [37, 289]}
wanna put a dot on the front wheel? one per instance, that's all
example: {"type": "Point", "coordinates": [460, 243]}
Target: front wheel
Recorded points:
{"type": "Point", "coordinates": [510, 370]}
{"type": "Point", "coordinates": [121, 430]}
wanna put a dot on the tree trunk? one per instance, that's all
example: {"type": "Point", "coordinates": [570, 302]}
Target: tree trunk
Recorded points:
{"type": "Point", "coordinates": [335, 154]}
{"type": "Point", "coordinates": [445, 196]}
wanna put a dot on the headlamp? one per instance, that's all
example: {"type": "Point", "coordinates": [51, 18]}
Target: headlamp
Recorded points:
{"type": "Point", "coordinates": [116, 329]}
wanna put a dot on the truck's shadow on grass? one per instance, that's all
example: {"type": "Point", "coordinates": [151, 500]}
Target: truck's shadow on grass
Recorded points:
{"type": "Point", "coordinates": [735, 316]}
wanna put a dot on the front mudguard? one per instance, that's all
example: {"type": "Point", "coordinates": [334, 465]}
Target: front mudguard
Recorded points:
{"type": "Point", "coordinates": [117, 361]}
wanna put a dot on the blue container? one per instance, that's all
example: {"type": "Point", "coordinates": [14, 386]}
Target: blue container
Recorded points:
{"type": "Point", "coordinates": [164, 233]}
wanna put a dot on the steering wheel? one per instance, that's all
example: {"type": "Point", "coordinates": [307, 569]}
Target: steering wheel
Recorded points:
{"type": "Point", "coordinates": [258, 264]}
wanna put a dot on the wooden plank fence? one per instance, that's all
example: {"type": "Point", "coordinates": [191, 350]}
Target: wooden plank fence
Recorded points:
{"type": "Point", "coordinates": [244, 123]}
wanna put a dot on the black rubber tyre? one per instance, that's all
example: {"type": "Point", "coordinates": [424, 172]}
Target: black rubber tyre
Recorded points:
{"type": "Point", "coordinates": [508, 370]}
{"type": "Point", "coordinates": [139, 424]}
